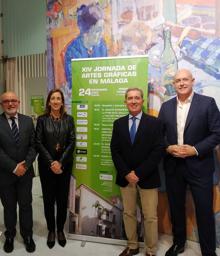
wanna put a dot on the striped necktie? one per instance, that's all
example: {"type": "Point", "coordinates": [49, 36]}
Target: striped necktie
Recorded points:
{"type": "Point", "coordinates": [14, 129]}
{"type": "Point", "coordinates": [133, 129]}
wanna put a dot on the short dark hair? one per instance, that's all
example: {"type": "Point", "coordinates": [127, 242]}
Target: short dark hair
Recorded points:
{"type": "Point", "coordinates": [48, 108]}
{"type": "Point", "coordinates": [134, 89]}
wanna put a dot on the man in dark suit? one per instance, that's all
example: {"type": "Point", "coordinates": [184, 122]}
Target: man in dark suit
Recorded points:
{"type": "Point", "coordinates": [136, 157]}
{"type": "Point", "coordinates": [17, 153]}
{"type": "Point", "coordinates": [192, 130]}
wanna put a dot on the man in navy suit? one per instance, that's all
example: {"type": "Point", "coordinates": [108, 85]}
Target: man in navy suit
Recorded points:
{"type": "Point", "coordinates": [136, 157]}
{"type": "Point", "coordinates": [17, 153]}
{"type": "Point", "coordinates": [192, 130]}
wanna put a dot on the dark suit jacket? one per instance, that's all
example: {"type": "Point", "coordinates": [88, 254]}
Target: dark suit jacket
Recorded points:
{"type": "Point", "coordinates": [202, 130]}
{"type": "Point", "coordinates": [11, 154]}
{"type": "Point", "coordinates": [143, 156]}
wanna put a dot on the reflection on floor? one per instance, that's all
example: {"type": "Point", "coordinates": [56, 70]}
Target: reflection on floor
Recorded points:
{"type": "Point", "coordinates": [74, 247]}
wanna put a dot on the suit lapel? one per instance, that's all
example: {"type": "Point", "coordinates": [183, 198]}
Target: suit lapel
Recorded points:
{"type": "Point", "coordinates": [5, 125]}
{"type": "Point", "coordinates": [21, 125]}
{"type": "Point", "coordinates": [140, 128]}
{"type": "Point", "coordinates": [173, 115]}
{"type": "Point", "coordinates": [125, 127]}
{"type": "Point", "coordinates": [192, 109]}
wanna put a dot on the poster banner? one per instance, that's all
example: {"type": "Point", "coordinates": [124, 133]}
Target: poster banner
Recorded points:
{"type": "Point", "coordinates": [37, 105]}
{"type": "Point", "coordinates": [98, 94]}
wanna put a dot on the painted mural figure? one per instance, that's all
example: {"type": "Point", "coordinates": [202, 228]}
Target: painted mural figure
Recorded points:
{"type": "Point", "coordinates": [89, 43]}
{"type": "Point", "coordinates": [136, 157]}
{"type": "Point", "coordinates": [192, 130]}
{"type": "Point", "coordinates": [55, 142]}
{"type": "Point", "coordinates": [54, 13]}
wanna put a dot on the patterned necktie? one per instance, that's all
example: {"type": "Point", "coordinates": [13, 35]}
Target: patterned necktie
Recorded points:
{"type": "Point", "coordinates": [14, 129]}
{"type": "Point", "coordinates": [133, 129]}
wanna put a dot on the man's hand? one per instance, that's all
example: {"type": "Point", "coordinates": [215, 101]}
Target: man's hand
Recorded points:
{"type": "Point", "coordinates": [132, 177]}
{"type": "Point", "coordinates": [56, 167]}
{"type": "Point", "coordinates": [187, 150]}
{"type": "Point", "coordinates": [20, 169]}
{"type": "Point", "coordinates": [173, 150]}
{"type": "Point", "coordinates": [181, 151]}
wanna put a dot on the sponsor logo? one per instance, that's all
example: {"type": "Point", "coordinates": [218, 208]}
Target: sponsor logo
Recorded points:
{"type": "Point", "coordinates": [82, 114]}
{"type": "Point", "coordinates": [82, 121]}
{"type": "Point", "coordinates": [106, 177]}
{"type": "Point", "coordinates": [80, 136]}
{"type": "Point", "coordinates": [81, 166]}
{"type": "Point", "coordinates": [81, 159]}
{"type": "Point", "coordinates": [81, 144]}
{"type": "Point", "coordinates": [81, 151]}
{"type": "Point", "coordinates": [82, 106]}
{"type": "Point", "coordinates": [81, 129]}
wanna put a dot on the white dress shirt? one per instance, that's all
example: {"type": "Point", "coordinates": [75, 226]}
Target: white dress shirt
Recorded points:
{"type": "Point", "coordinates": [10, 121]}
{"type": "Point", "coordinates": [182, 113]}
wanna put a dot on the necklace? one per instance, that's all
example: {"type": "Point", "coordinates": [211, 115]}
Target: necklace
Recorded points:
{"type": "Point", "coordinates": [56, 132]}
{"type": "Point", "coordinates": [54, 116]}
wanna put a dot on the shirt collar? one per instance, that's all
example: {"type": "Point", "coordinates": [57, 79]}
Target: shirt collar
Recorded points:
{"type": "Point", "coordinates": [188, 100]}
{"type": "Point", "coordinates": [138, 116]}
{"type": "Point", "coordinates": [8, 117]}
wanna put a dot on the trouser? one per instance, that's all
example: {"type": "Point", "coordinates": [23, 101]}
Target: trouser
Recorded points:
{"type": "Point", "coordinates": [19, 192]}
{"type": "Point", "coordinates": [55, 188]}
{"type": "Point", "coordinates": [149, 202]}
{"type": "Point", "coordinates": [202, 193]}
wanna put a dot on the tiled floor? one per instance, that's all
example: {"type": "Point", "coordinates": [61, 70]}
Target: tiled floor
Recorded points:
{"type": "Point", "coordinates": [74, 247]}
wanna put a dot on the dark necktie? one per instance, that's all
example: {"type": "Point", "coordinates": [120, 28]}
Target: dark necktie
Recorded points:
{"type": "Point", "coordinates": [133, 129]}
{"type": "Point", "coordinates": [14, 129]}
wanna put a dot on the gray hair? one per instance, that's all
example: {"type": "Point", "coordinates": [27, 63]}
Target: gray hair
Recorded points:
{"type": "Point", "coordinates": [134, 89]}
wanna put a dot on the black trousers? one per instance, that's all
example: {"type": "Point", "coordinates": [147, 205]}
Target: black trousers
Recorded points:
{"type": "Point", "coordinates": [202, 192]}
{"type": "Point", "coordinates": [55, 188]}
{"type": "Point", "coordinates": [18, 193]}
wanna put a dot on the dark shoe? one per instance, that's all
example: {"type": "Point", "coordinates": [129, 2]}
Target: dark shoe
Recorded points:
{"type": "Point", "coordinates": [29, 244]}
{"type": "Point", "coordinates": [129, 252]}
{"type": "Point", "coordinates": [51, 239]}
{"type": "Point", "coordinates": [174, 250]}
{"type": "Point", "coordinates": [61, 238]}
{"type": "Point", "coordinates": [8, 245]}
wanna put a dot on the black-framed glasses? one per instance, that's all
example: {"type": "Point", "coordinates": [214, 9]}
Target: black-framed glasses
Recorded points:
{"type": "Point", "coordinates": [13, 101]}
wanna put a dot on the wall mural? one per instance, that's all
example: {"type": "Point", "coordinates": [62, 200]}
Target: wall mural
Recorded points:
{"type": "Point", "coordinates": [172, 33]}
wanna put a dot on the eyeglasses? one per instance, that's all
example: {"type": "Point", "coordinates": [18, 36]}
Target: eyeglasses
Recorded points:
{"type": "Point", "coordinates": [13, 101]}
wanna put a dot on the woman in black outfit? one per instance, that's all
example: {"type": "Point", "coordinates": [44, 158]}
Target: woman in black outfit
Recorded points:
{"type": "Point", "coordinates": [55, 141]}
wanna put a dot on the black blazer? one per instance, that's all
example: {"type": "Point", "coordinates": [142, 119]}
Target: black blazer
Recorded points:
{"type": "Point", "coordinates": [46, 141]}
{"type": "Point", "coordinates": [11, 154]}
{"type": "Point", "coordinates": [142, 156]}
{"type": "Point", "coordinates": [202, 130]}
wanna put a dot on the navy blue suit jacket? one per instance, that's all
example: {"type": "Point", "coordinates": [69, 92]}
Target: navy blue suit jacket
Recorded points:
{"type": "Point", "coordinates": [11, 154]}
{"type": "Point", "coordinates": [143, 155]}
{"type": "Point", "coordinates": [202, 130]}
